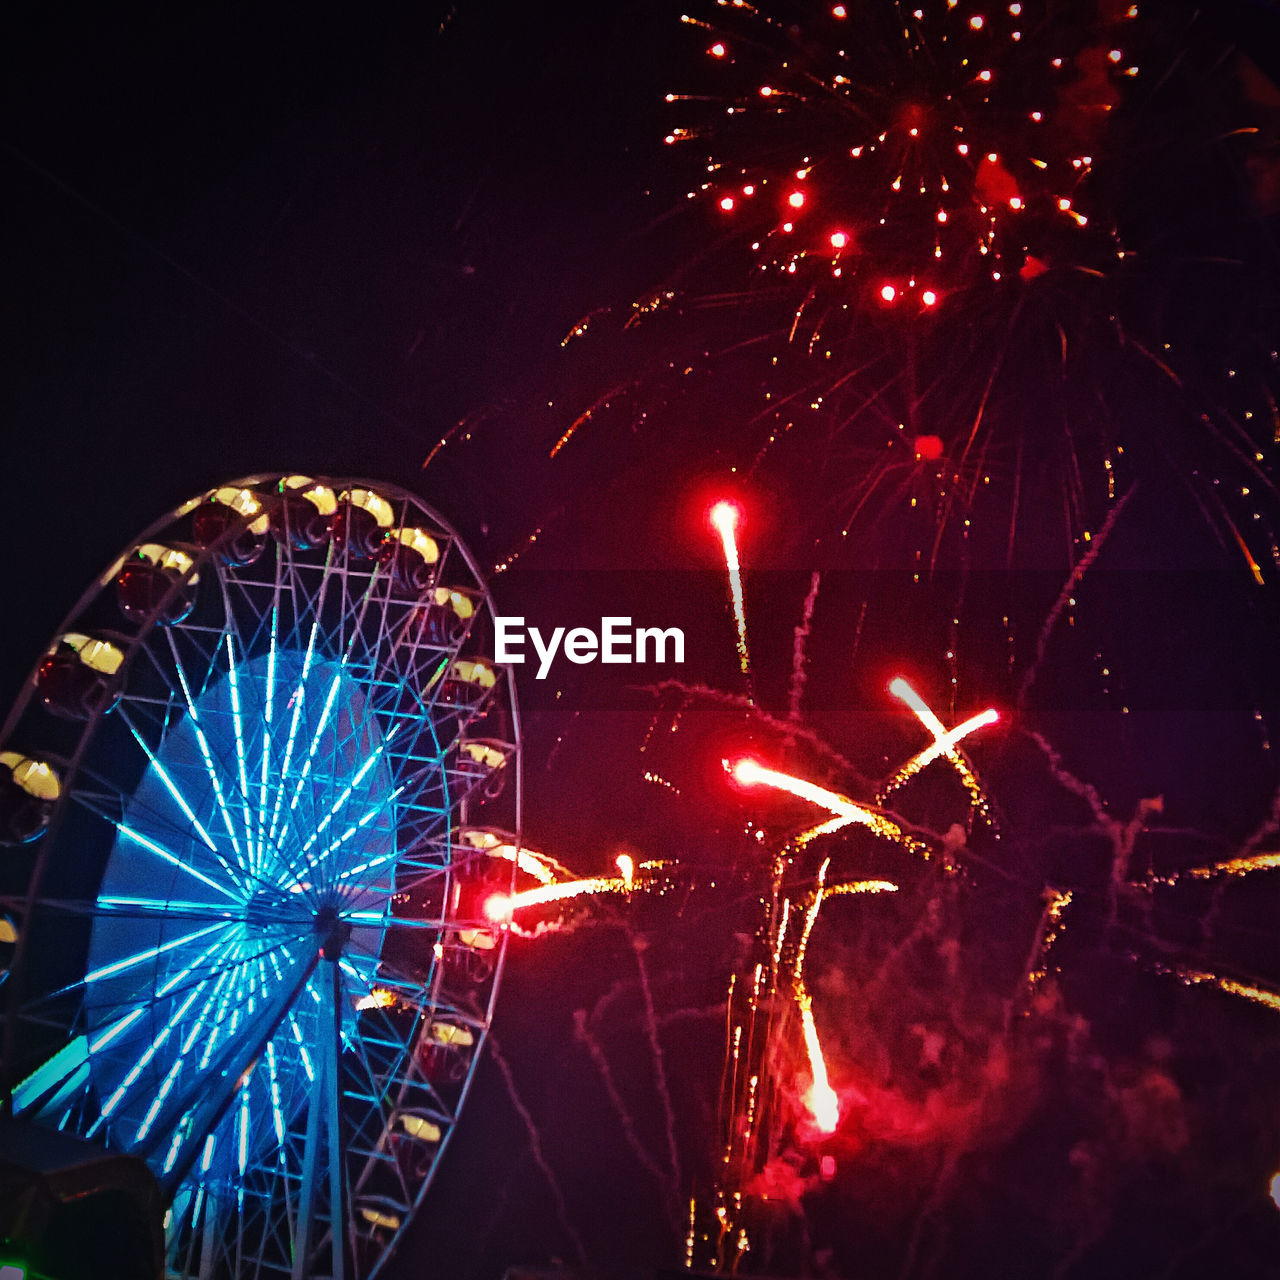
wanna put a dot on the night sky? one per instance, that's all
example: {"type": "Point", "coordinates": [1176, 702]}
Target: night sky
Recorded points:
{"type": "Point", "coordinates": [310, 242]}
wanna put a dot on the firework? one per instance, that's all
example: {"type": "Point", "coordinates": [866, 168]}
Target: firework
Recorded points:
{"type": "Point", "coordinates": [918, 206]}
{"type": "Point", "coordinates": [905, 153]}
{"type": "Point", "coordinates": [944, 744]}
{"type": "Point", "coordinates": [725, 517]}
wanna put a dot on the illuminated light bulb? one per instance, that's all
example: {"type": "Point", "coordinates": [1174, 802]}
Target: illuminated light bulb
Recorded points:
{"type": "Point", "coordinates": [977, 22]}
{"type": "Point", "coordinates": [796, 199]}
{"type": "Point", "coordinates": [626, 864]}
{"type": "Point", "coordinates": [888, 292]}
{"type": "Point", "coordinates": [984, 76]}
{"type": "Point", "coordinates": [1057, 62]}
{"type": "Point", "coordinates": [717, 50]}
{"type": "Point", "coordinates": [915, 133]}
{"type": "Point", "coordinates": [748, 190]}
{"type": "Point", "coordinates": [1015, 202]}
{"type": "Point", "coordinates": [942, 215]}
{"type": "Point", "coordinates": [1015, 9]}
{"type": "Point", "coordinates": [963, 148]}
{"type": "Point", "coordinates": [1063, 203]}
{"type": "Point", "coordinates": [788, 226]}
{"type": "Point", "coordinates": [928, 297]}
{"type": "Point", "coordinates": [726, 203]}
{"type": "Point", "coordinates": [856, 152]}
{"type": "Point", "coordinates": [992, 158]}
{"type": "Point", "coordinates": [1275, 1190]}
{"type": "Point", "coordinates": [1037, 116]}
{"type": "Point", "coordinates": [765, 91]}
{"type": "Point", "coordinates": [839, 11]}
{"type": "Point", "coordinates": [839, 239]}
{"type": "Point", "coordinates": [1114, 56]}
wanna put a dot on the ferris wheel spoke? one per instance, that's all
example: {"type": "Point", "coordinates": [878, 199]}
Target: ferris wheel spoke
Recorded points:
{"type": "Point", "coordinates": [268, 715]}
{"type": "Point", "coordinates": [149, 1053]}
{"type": "Point", "coordinates": [341, 801]}
{"type": "Point", "coordinates": [198, 1109]}
{"type": "Point", "coordinates": [337, 878]}
{"type": "Point", "coordinates": [235, 873]}
{"type": "Point", "coordinates": [162, 773]}
{"type": "Point", "coordinates": [316, 737]}
{"type": "Point", "coordinates": [51, 1077]}
{"type": "Point", "coordinates": [296, 702]}
{"type": "Point", "coordinates": [142, 957]}
{"type": "Point", "coordinates": [109, 802]}
{"type": "Point", "coordinates": [173, 859]}
{"type": "Point", "coordinates": [130, 908]}
{"type": "Point", "coordinates": [206, 754]}
{"type": "Point", "coordinates": [237, 723]}
{"type": "Point", "coordinates": [181, 1059]}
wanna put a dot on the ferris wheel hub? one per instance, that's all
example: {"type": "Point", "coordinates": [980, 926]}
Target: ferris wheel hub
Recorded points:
{"type": "Point", "coordinates": [333, 931]}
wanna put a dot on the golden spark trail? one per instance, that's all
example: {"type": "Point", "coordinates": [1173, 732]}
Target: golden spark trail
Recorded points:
{"type": "Point", "coordinates": [1259, 995]}
{"type": "Point", "coordinates": [810, 918]}
{"type": "Point", "coordinates": [822, 829]}
{"type": "Point", "coordinates": [1233, 867]}
{"type": "Point", "coordinates": [1056, 902]}
{"type": "Point", "coordinates": [821, 1100]}
{"type": "Point", "coordinates": [861, 886]}
{"type": "Point", "coordinates": [502, 906]}
{"type": "Point", "coordinates": [751, 772]}
{"type": "Point", "coordinates": [944, 742]}
{"type": "Point", "coordinates": [724, 518]}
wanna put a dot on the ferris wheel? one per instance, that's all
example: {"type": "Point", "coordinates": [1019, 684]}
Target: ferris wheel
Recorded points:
{"type": "Point", "coordinates": [242, 927]}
